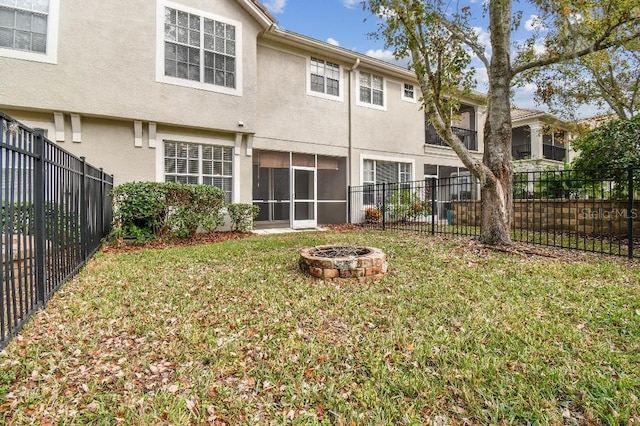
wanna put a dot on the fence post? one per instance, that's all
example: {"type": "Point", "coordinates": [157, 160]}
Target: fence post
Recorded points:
{"type": "Point", "coordinates": [84, 211]}
{"type": "Point", "coordinates": [102, 183]}
{"type": "Point", "coordinates": [349, 204]}
{"type": "Point", "coordinates": [630, 213]}
{"type": "Point", "coordinates": [39, 216]}
{"type": "Point", "coordinates": [384, 207]}
{"type": "Point", "coordinates": [433, 206]}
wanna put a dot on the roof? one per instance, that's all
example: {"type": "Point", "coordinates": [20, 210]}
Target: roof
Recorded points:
{"type": "Point", "coordinates": [264, 10]}
{"type": "Point", "coordinates": [525, 113]}
{"type": "Point", "coordinates": [259, 12]}
{"type": "Point", "coordinates": [346, 55]}
{"type": "Point", "coordinates": [521, 114]}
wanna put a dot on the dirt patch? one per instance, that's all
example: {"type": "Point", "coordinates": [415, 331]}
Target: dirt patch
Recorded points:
{"type": "Point", "coordinates": [198, 239]}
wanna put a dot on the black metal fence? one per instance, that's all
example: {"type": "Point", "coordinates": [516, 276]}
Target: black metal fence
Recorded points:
{"type": "Point", "coordinates": [56, 209]}
{"type": "Point", "coordinates": [583, 210]}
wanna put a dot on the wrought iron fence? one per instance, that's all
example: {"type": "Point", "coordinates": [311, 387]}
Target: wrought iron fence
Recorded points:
{"type": "Point", "coordinates": [594, 211]}
{"type": "Point", "coordinates": [56, 209]}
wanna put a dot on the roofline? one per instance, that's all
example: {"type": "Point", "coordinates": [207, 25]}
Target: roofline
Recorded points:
{"type": "Point", "coordinates": [259, 12]}
{"type": "Point", "coordinates": [542, 115]}
{"type": "Point", "coordinates": [298, 40]}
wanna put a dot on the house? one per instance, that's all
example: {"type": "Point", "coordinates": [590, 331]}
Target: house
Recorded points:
{"type": "Point", "coordinates": [213, 92]}
{"type": "Point", "coordinates": [539, 140]}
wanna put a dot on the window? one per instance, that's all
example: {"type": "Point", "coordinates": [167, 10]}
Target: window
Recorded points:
{"type": "Point", "coordinates": [199, 164]}
{"type": "Point", "coordinates": [371, 88]}
{"type": "Point", "coordinates": [199, 50]}
{"type": "Point", "coordinates": [408, 93]}
{"type": "Point", "coordinates": [28, 29]}
{"type": "Point", "coordinates": [375, 172]}
{"type": "Point", "coordinates": [324, 77]}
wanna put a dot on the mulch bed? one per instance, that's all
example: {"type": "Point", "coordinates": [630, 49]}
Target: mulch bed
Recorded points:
{"type": "Point", "coordinates": [517, 248]}
{"type": "Point", "coordinates": [214, 237]}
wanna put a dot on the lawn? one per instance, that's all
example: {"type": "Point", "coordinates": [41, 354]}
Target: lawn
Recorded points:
{"type": "Point", "coordinates": [233, 333]}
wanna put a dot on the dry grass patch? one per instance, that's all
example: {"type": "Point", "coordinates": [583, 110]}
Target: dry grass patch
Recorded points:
{"type": "Point", "coordinates": [233, 333]}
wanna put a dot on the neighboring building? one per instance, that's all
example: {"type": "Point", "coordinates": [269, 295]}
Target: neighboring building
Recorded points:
{"type": "Point", "coordinates": [539, 140]}
{"type": "Point", "coordinates": [213, 92]}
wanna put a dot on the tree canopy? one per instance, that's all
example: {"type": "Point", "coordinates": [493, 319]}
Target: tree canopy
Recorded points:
{"type": "Point", "coordinates": [609, 148]}
{"type": "Point", "coordinates": [440, 38]}
{"type": "Point", "coordinates": [609, 80]}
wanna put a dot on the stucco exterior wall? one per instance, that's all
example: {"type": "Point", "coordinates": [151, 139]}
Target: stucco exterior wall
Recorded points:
{"type": "Point", "coordinates": [106, 66]}
{"type": "Point", "coordinates": [287, 112]}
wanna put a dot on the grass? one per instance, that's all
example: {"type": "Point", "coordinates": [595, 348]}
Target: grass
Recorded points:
{"type": "Point", "coordinates": [233, 333]}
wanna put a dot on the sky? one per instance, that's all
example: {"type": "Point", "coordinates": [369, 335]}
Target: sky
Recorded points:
{"type": "Point", "coordinates": [344, 23]}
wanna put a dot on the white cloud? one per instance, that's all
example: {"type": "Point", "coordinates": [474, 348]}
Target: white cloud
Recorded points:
{"type": "Point", "coordinates": [484, 37]}
{"type": "Point", "coordinates": [576, 18]}
{"type": "Point", "coordinates": [481, 75]}
{"type": "Point", "coordinates": [333, 41]}
{"type": "Point", "coordinates": [385, 55]}
{"type": "Point", "coordinates": [523, 97]}
{"type": "Point", "coordinates": [539, 48]}
{"type": "Point", "coordinates": [275, 6]}
{"type": "Point", "coordinates": [528, 88]}
{"type": "Point", "coordinates": [350, 3]}
{"type": "Point", "coordinates": [534, 23]}
{"type": "Point", "coordinates": [386, 13]}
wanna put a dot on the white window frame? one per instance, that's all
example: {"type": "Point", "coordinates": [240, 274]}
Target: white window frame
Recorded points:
{"type": "Point", "coordinates": [171, 137]}
{"type": "Point", "coordinates": [325, 95]}
{"type": "Point", "coordinates": [374, 158]}
{"type": "Point", "coordinates": [51, 56]}
{"type": "Point", "coordinates": [382, 107]}
{"type": "Point", "coordinates": [403, 91]}
{"type": "Point", "coordinates": [160, 40]}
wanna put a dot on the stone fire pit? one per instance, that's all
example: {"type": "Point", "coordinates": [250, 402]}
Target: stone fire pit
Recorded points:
{"type": "Point", "coordinates": [343, 262]}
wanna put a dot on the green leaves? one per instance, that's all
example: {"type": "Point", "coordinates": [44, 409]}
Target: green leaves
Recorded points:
{"type": "Point", "coordinates": [613, 145]}
{"type": "Point", "coordinates": [242, 216]}
{"type": "Point", "coordinates": [147, 210]}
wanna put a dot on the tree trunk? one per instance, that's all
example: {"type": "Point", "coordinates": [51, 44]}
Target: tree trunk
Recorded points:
{"type": "Point", "coordinates": [497, 193]}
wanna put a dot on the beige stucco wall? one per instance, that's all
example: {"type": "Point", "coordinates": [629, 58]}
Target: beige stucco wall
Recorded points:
{"type": "Point", "coordinates": [106, 73]}
{"type": "Point", "coordinates": [107, 67]}
{"type": "Point", "coordinates": [286, 112]}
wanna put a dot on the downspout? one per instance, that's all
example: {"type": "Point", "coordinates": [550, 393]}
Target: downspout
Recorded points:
{"type": "Point", "coordinates": [350, 121]}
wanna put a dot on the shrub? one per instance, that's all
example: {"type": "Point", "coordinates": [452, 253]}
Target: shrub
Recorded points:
{"type": "Point", "coordinates": [147, 210]}
{"type": "Point", "coordinates": [372, 215]}
{"type": "Point", "coordinates": [242, 216]}
{"type": "Point", "coordinates": [405, 205]}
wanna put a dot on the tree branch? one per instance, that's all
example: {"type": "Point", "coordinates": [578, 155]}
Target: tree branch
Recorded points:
{"type": "Point", "coordinates": [479, 51]}
{"type": "Point", "coordinates": [600, 44]}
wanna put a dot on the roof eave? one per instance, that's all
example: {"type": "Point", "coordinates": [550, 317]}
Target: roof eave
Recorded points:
{"type": "Point", "coordinates": [346, 55]}
{"type": "Point", "coordinates": [258, 12]}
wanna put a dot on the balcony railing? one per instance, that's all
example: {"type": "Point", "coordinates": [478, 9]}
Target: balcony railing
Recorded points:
{"type": "Point", "coordinates": [521, 151]}
{"type": "Point", "coordinates": [468, 137]}
{"type": "Point", "coordinates": [551, 152]}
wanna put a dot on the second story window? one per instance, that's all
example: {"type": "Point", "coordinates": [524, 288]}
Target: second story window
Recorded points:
{"type": "Point", "coordinates": [408, 93]}
{"type": "Point", "coordinates": [29, 29]}
{"type": "Point", "coordinates": [23, 25]}
{"type": "Point", "coordinates": [325, 77]}
{"type": "Point", "coordinates": [199, 50]}
{"type": "Point", "coordinates": [371, 89]}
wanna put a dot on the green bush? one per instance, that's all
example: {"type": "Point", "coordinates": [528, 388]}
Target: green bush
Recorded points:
{"type": "Point", "coordinates": [61, 223]}
{"type": "Point", "coordinates": [406, 205]}
{"type": "Point", "coordinates": [242, 216]}
{"type": "Point", "coordinates": [17, 218]}
{"type": "Point", "coordinates": [148, 210]}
